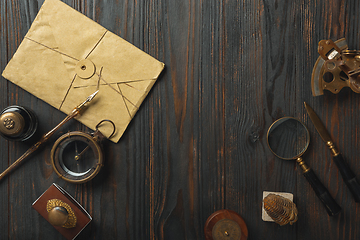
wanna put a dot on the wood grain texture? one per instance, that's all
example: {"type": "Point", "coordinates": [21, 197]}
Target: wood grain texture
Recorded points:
{"type": "Point", "coordinates": [198, 142]}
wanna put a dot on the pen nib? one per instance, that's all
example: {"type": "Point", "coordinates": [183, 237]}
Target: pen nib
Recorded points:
{"type": "Point", "coordinates": [92, 96]}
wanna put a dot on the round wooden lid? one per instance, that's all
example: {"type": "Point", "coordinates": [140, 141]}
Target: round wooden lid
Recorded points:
{"type": "Point", "coordinates": [225, 225]}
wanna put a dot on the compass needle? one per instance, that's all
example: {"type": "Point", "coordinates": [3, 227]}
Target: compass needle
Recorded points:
{"type": "Point", "coordinates": [83, 151]}
{"type": "Point", "coordinates": [76, 153]}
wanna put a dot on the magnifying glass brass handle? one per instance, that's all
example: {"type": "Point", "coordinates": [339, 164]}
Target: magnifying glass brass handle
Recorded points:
{"type": "Point", "coordinates": [323, 194]}
{"type": "Point", "coordinates": [348, 176]}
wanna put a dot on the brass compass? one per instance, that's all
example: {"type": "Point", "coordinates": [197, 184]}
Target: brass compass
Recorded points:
{"type": "Point", "coordinates": [225, 225]}
{"type": "Point", "coordinates": [226, 229]}
{"type": "Point", "coordinates": [77, 157]}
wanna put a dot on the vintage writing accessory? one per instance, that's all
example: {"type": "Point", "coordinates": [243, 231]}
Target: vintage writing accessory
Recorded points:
{"type": "Point", "coordinates": [62, 211]}
{"type": "Point", "coordinates": [225, 225]}
{"type": "Point", "coordinates": [77, 157]}
{"type": "Point", "coordinates": [46, 136]}
{"type": "Point", "coordinates": [346, 172]}
{"type": "Point", "coordinates": [17, 123]}
{"type": "Point", "coordinates": [336, 68]}
{"type": "Point", "coordinates": [60, 214]}
{"type": "Point", "coordinates": [60, 58]}
{"type": "Point", "coordinates": [288, 139]}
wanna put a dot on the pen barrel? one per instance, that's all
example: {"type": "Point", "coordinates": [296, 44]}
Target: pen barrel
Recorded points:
{"type": "Point", "coordinates": [322, 193]}
{"type": "Point", "coordinates": [21, 159]}
{"type": "Point", "coordinates": [348, 176]}
{"type": "Point", "coordinates": [32, 149]}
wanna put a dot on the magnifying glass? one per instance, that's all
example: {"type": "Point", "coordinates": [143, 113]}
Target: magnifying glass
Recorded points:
{"type": "Point", "coordinates": [288, 139]}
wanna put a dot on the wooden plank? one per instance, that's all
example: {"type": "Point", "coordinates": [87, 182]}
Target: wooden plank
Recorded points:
{"type": "Point", "coordinates": [259, 64]}
{"type": "Point", "coordinates": [193, 154]}
{"type": "Point", "coordinates": [183, 163]}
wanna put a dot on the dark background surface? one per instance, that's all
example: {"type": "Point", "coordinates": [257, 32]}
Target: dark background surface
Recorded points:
{"type": "Point", "coordinates": [198, 142]}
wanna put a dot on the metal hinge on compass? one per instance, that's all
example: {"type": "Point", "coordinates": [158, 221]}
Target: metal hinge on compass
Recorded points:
{"type": "Point", "coordinates": [337, 67]}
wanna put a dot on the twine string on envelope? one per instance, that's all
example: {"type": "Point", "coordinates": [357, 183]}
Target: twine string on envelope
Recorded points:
{"type": "Point", "coordinates": [98, 74]}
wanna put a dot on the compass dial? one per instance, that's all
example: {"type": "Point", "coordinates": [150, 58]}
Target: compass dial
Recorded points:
{"type": "Point", "coordinates": [76, 157]}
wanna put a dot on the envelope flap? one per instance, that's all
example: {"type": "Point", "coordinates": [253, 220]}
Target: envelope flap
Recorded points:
{"type": "Point", "coordinates": [76, 35]}
{"type": "Point", "coordinates": [40, 31]}
{"type": "Point", "coordinates": [125, 62]}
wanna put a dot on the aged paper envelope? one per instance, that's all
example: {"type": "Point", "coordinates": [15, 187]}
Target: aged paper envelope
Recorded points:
{"type": "Point", "coordinates": [66, 56]}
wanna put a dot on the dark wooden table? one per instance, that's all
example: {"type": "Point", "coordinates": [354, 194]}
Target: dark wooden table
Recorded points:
{"type": "Point", "coordinates": [198, 142]}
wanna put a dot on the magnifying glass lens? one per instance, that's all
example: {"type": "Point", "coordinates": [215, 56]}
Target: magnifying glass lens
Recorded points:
{"type": "Point", "coordinates": [288, 138]}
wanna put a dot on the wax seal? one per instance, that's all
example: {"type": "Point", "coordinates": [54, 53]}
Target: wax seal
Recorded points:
{"type": "Point", "coordinates": [60, 214]}
{"type": "Point", "coordinates": [17, 123]}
